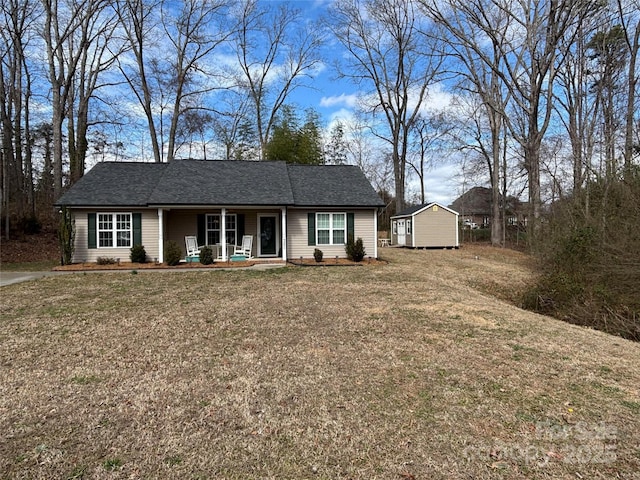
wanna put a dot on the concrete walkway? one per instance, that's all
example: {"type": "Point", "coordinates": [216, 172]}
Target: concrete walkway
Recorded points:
{"type": "Point", "coordinates": [9, 278]}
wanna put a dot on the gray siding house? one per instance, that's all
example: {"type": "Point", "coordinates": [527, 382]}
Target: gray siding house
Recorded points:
{"type": "Point", "coordinates": [425, 226]}
{"type": "Point", "coordinates": [288, 209]}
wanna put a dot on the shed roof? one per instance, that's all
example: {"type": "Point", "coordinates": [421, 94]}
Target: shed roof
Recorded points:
{"type": "Point", "coordinates": [407, 212]}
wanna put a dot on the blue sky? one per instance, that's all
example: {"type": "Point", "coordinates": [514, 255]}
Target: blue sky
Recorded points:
{"type": "Point", "coordinates": [335, 100]}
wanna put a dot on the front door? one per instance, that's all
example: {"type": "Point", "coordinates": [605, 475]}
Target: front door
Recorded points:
{"type": "Point", "coordinates": [268, 244]}
{"type": "Point", "coordinates": [402, 232]}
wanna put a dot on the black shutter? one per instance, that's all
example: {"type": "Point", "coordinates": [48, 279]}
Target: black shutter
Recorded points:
{"type": "Point", "coordinates": [137, 229]}
{"type": "Point", "coordinates": [202, 229]}
{"type": "Point", "coordinates": [351, 226]}
{"type": "Point", "coordinates": [311, 228]}
{"type": "Point", "coordinates": [239, 228]}
{"type": "Point", "coordinates": [91, 231]}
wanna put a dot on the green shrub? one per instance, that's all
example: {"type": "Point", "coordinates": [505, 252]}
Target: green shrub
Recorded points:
{"type": "Point", "coordinates": [355, 250]}
{"type": "Point", "coordinates": [105, 260]}
{"type": "Point", "coordinates": [206, 255]}
{"type": "Point", "coordinates": [317, 254]}
{"type": "Point", "coordinates": [172, 253]}
{"type": "Point", "coordinates": [138, 254]}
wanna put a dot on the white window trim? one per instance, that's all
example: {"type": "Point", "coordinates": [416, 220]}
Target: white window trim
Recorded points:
{"type": "Point", "coordinates": [114, 230]}
{"type": "Point", "coordinates": [221, 229]}
{"type": "Point", "coordinates": [331, 229]}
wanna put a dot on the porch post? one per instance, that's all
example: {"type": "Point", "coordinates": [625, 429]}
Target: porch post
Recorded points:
{"type": "Point", "coordinates": [283, 241]}
{"type": "Point", "coordinates": [223, 233]}
{"type": "Point", "coordinates": [375, 233]}
{"type": "Point", "coordinates": [160, 235]}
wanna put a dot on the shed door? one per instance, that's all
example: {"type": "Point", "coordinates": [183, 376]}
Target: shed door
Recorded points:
{"type": "Point", "coordinates": [402, 230]}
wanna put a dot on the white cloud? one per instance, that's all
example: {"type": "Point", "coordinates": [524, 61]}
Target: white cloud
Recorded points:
{"type": "Point", "coordinates": [347, 100]}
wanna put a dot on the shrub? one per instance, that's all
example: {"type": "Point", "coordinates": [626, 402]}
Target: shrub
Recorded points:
{"type": "Point", "coordinates": [206, 255]}
{"type": "Point", "coordinates": [105, 260]}
{"type": "Point", "coordinates": [31, 225]}
{"type": "Point", "coordinates": [172, 253]}
{"type": "Point", "coordinates": [355, 250]}
{"type": "Point", "coordinates": [317, 254]}
{"type": "Point", "coordinates": [138, 254]}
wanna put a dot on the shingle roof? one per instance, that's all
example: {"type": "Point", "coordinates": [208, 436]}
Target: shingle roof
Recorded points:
{"type": "Point", "coordinates": [331, 186]}
{"type": "Point", "coordinates": [115, 185]}
{"type": "Point", "coordinates": [416, 208]}
{"type": "Point", "coordinates": [201, 182]}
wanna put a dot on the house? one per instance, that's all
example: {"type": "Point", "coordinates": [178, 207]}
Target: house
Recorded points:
{"type": "Point", "coordinates": [288, 209]}
{"type": "Point", "coordinates": [425, 226]}
{"type": "Point", "coordinates": [474, 206]}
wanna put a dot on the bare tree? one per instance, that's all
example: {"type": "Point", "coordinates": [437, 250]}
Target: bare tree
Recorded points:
{"type": "Point", "coordinates": [16, 183]}
{"type": "Point", "coordinates": [481, 58]}
{"type": "Point", "coordinates": [177, 77]}
{"type": "Point", "coordinates": [575, 103]}
{"type": "Point", "coordinates": [428, 143]}
{"type": "Point", "coordinates": [527, 42]}
{"type": "Point", "coordinates": [630, 23]}
{"type": "Point", "coordinates": [137, 20]}
{"type": "Point", "coordinates": [97, 50]}
{"type": "Point", "coordinates": [277, 50]}
{"type": "Point", "coordinates": [388, 56]}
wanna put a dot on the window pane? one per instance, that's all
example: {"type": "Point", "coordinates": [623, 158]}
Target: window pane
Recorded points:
{"type": "Point", "coordinates": [338, 237]}
{"type": "Point", "coordinates": [322, 221]}
{"type": "Point", "coordinates": [231, 237]}
{"type": "Point", "coordinates": [323, 237]}
{"type": "Point", "coordinates": [124, 239]}
{"type": "Point", "coordinates": [231, 222]}
{"type": "Point", "coordinates": [213, 222]}
{"type": "Point", "coordinates": [105, 222]}
{"type": "Point", "coordinates": [338, 220]}
{"type": "Point", "coordinates": [213, 237]}
{"type": "Point", "coordinates": [123, 222]}
{"type": "Point", "coordinates": [106, 239]}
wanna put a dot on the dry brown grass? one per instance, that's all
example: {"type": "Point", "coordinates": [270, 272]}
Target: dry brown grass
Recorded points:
{"type": "Point", "coordinates": [403, 371]}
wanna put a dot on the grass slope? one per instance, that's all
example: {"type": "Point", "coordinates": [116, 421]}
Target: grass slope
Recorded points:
{"type": "Point", "coordinates": [406, 370]}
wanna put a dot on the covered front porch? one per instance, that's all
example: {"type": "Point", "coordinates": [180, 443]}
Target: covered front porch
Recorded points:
{"type": "Point", "coordinates": [223, 228]}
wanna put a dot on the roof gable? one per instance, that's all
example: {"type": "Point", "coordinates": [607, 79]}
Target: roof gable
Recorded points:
{"type": "Point", "coordinates": [416, 209]}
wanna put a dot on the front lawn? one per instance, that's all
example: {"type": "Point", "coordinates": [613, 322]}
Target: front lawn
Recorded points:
{"type": "Point", "coordinates": [410, 370]}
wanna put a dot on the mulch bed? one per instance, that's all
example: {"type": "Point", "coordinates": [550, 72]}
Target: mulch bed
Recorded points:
{"type": "Point", "coordinates": [78, 267]}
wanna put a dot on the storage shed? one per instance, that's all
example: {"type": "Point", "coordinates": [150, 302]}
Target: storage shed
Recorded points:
{"type": "Point", "coordinates": [425, 226]}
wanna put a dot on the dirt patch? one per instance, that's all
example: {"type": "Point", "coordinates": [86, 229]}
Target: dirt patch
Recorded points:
{"type": "Point", "coordinates": [30, 248]}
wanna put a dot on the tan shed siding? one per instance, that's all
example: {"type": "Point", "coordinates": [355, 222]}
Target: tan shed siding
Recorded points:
{"type": "Point", "coordinates": [364, 227]}
{"type": "Point", "coordinates": [149, 237]}
{"type": "Point", "coordinates": [435, 229]}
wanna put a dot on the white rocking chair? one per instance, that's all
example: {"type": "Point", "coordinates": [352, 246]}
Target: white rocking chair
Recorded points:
{"type": "Point", "coordinates": [191, 244]}
{"type": "Point", "coordinates": [245, 248]}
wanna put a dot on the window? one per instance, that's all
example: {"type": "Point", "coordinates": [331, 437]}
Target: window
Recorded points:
{"type": "Point", "coordinates": [394, 227]}
{"type": "Point", "coordinates": [408, 227]}
{"type": "Point", "coordinates": [331, 228]}
{"type": "Point", "coordinates": [114, 230]}
{"type": "Point", "coordinates": [213, 229]}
